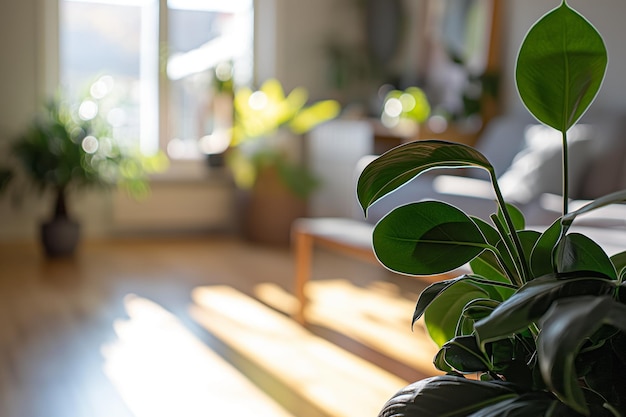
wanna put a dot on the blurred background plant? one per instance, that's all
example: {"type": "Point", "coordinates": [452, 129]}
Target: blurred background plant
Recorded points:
{"type": "Point", "coordinates": [69, 147]}
{"type": "Point", "coordinates": [405, 109]}
{"type": "Point", "coordinates": [265, 134]}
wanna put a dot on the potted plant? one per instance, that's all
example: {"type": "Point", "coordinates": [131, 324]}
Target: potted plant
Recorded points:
{"type": "Point", "coordinates": [67, 148]}
{"type": "Point", "coordinates": [539, 326]}
{"type": "Point", "coordinates": [265, 156]}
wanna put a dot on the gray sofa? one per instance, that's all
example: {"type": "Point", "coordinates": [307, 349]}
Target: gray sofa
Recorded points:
{"type": "Point", "coordinates": [526, 158]}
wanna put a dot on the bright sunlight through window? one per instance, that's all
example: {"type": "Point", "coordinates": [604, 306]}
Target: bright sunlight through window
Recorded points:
{"type": "Point", "coordinates": [205, 45]}
{"type": "Point", "coordinates": [161, 369]}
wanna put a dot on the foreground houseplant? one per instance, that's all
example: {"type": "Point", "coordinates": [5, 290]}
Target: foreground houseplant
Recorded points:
{"type": "Point", "coordinates": [69, 147]}
{"type": "Point", "coordinates": [540, 323]}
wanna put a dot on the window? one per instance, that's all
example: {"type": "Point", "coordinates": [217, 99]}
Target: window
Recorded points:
{"type": "Point", "coordinates": [158, 67]}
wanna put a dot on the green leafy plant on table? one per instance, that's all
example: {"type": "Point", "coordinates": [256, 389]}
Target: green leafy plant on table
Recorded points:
{"type": "Point", "coordinates": [69, 147]}
{"type": "Point", "coordinates": [266, 124]}
{"type": "Point", "coordinates": [539, 325]}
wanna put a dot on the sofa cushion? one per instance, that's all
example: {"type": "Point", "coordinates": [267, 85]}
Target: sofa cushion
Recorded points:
{"type": "Point", "coordinates": [537, 169]}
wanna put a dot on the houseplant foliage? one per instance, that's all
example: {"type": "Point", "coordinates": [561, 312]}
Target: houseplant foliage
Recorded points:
{"type": "Point", "coordinates": [405, 109]}
{"type": "Point", "coordinates": [266, 122]}
{"type": "Point", "coordinates": [68, 147]}
{"type": "Point", "coordinates": [540, 323]}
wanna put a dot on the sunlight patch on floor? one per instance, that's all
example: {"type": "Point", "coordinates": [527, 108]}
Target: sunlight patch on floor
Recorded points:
{"type": "Point", "coordinates": [161, 370]}
{"type": "Point", "coordinates": [324, 375]}
{"type": "Point", "coordinates": [376, 316]}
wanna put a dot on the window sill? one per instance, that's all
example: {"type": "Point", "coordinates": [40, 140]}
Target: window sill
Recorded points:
{"type": "Point", "coordinates": [191, 170]}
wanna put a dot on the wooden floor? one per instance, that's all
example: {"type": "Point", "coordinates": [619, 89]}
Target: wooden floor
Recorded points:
{"type": "Point", "coordinates": [111, 331]}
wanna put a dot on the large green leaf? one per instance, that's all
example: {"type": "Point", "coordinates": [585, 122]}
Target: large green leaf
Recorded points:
{"type": "Point", "coordinates": [560, 67]}
{"type": "Point", "coordinates": [446, 396]}
{"type": "Point", "coordinates": [517, 217]}
{"type": "Point", "coordinates": [557, 348]}
{"type": "Point", "coordinates": [426, 238]}
{"type": "Point", "coordinates": [528, 239]}
{"type": "Point", "coordinates": [401, 164]}
{"type": "Point", "coordinates": [473, 311]}
{"type": "Point", "coordinates": [532, 300]}
{"type": "Point", "coordinates": [577, 252]}
{"type": "Point", "coordinates": [491, 233]}
{"type": "Point", "coordinates": [442, 315]}
{"type": "Point", "coordinates": [542, 256]}
{"type": "Point", "coordinates": [619, 261]}
{"type": "Point", "coordinates": [434, 290]}
{"type": "Point", "coordinates": [464, 355]}
{"type": "Point", "coordinates": [535, 404]}
{"type": "Point", "coordinates": [486, 265]}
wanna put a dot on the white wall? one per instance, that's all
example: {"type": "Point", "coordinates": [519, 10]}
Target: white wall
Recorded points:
{"type": "Point", "coordinates": [296, 57]}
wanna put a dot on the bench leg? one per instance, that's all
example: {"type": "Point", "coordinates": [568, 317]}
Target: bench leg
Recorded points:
{"type": "Point", "coordinates": [303, 251]}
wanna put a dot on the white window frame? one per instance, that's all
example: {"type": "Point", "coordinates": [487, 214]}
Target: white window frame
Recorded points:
{"type": "Point", "coordinates": [48, 76]}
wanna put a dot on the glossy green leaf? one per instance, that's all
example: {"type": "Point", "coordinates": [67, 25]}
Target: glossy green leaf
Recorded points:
{"type": "Point", "coordinates": [560, 67]}
{"type": "Point", "coordinates": [532, 300]}
{"type": "Point", "coordinates": [442, 315]}
{"type": "Point", "coordinates": [532, 404]}
{"type": "Point", "coordinates": [505, 258]}
{"type": "Point", "coordinates": [517, 217]}
{"type": "Point", "coordinates": [542, 256]}
{"type": "Point", "coordinates": [438, 288]}
{"type": "Point", "coordinates": [486, 265]}
{"type": "Point", "coordinates": [621, 292]}
{"type": "Point", "coordinates": [577, 252]}
{"type": "Point", "coordinates": [430, 294]}
{"type": "Point", "coordinates": [480, 308]}
{"type": "Point", "coordinates": [602, 369]}
{"type": "Point", "coordinates": [464, 355]}
{"type": "Point", "coordinates": [426, 238]}
{"type": "Point", "coordinates": [491, 233]}
{"type": "Point", "coordinates": [509, 250]}
{"type": "Point", "coordinates": [440, 362]}
{"type": "Point", "coordinates": [446, 396]}
{"type": "Point", "coordinates": [528, 239]}
{"type": "Point", "coordinates": [557, 349]}
{"type": "Point", "coordinates": [402, 163]}
{"type": "Point", "coordinates": [473, 311]}
{"type": "Point", "coordinates": [619, 261]}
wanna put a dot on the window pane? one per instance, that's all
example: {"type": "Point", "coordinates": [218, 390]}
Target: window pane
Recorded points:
{"type": "Point", "coordinates": [209, 43]}
{"type": "Point", "coordinates": [115, 44]}
{"type": "Point", "coordinates": [100, 55]}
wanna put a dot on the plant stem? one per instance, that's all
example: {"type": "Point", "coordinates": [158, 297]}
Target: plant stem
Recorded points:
{"type": "Point", "coordinates": [565, 174]}
{"type": "Point", "coordinates": [514, 276]}
{"type": "Point", "coordinates": [509, 223]}
{"type": "Point", "coordinates": [60, 207]}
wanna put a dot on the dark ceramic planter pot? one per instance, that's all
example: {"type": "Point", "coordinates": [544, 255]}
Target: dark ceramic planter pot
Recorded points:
{"type": "Point", "coordinates": [60, 237]}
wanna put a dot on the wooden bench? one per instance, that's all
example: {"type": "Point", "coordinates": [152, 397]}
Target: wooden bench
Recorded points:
{"type": "Point", "coordinates": [343, 235]}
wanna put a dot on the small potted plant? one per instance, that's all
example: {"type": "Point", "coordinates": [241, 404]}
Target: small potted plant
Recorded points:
{"type": "Point", "coordinates": [67, 148]}
{"type": "Point", "coordinates": [540, 322]}
{"type": "Point", "coordinates": [265, 156]}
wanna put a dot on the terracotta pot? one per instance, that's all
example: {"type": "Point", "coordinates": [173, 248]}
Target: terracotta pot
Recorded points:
{"type": "Point", "coordinates": [269, 209]}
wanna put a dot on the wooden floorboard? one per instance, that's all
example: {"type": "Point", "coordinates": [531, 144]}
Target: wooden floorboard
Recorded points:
{"type": "Point", "coordinates": [60, 320]}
